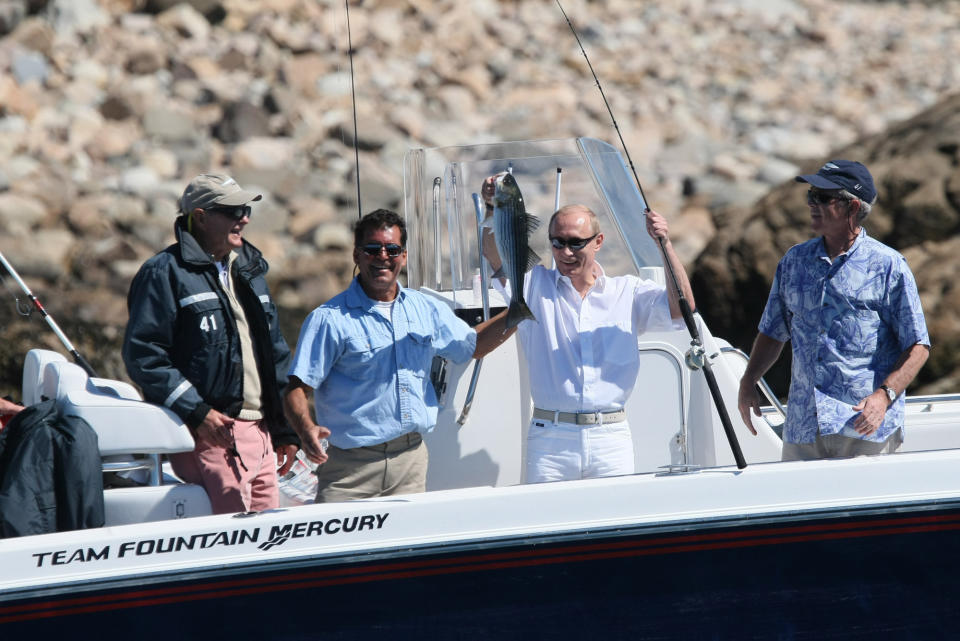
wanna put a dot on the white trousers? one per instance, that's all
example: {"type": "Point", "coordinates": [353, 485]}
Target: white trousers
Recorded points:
{"type": "Point", "coordinates": [565, 451]}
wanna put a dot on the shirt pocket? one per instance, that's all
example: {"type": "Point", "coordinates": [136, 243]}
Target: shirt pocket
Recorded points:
{"type": "Point", "coordinates": [366, 358]}
{"type": "Point", "coordinates": [418, 355]}
{"type": "Point", "coordinates": [859, 330]}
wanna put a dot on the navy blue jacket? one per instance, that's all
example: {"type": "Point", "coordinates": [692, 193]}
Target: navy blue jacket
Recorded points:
{"type": "Point", "coordinates": [181, 344]}
{"type": "Point", "coordinates": [50, 475]}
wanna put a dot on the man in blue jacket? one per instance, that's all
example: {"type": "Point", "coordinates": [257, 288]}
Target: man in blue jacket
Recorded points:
{"type": "Point", "coordinates": [203, 339]}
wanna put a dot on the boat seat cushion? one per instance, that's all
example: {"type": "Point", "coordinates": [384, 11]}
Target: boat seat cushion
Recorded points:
{"type": "Point", "coordinates": [123, 425]}
{"type": "Point", "coordinates": [34, 366]}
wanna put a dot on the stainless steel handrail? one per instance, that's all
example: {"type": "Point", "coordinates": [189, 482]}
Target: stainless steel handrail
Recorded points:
{"type": "Point", "coordinates": [780, 409]}
{"type": "Point", "coordinates": [485, 298]}
{"type": "Point", "coordinates": [937, 398]}
{"type": "Point", "coordinates": [149, 462]}
{"type": "Point", "coordinates": [762, 384]}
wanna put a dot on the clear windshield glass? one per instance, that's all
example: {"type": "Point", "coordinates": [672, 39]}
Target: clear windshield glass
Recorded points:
{"type": "Point", "coordinates": [442, 217]}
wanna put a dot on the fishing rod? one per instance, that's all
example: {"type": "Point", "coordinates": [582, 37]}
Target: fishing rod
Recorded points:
{"type": "Point", "coordinates": [80, 360]}
{"type": "Point", "coordinates": [696, 358]}
{"type": "Point", "coordinates": [353, 95]}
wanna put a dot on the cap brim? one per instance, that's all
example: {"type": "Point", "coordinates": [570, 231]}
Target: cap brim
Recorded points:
{"type": "Point", "coordinates": [238, 198]}
{"type": "Point", "coordinates": [818, 181]}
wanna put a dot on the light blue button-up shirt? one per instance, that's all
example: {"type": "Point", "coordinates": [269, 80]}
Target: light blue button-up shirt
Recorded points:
{"type": "Point", "coordinates": [370, 375]}
{"type": "Point", "coordinates": [848, 320]}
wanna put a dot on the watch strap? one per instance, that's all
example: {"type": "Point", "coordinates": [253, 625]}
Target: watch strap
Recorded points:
{"type": "Point", "coordinates": [891, 393]}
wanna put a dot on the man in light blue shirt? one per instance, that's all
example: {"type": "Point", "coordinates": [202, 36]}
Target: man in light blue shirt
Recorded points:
{"type": "Point", "coordinates": [850, 307]}
{"type": "Point", "coordinates": [367, 354]}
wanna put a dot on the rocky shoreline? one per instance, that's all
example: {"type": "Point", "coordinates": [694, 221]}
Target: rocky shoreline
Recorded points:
{"type": "Point", "coordinates": [107, 109]}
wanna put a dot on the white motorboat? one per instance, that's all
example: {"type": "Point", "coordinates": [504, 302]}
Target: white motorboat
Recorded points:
{"type": "Point", "coordinates": [692, 546]}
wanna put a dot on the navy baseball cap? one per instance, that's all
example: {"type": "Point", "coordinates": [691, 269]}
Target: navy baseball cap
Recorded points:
{"type": "Point", "coordinates": [844, 174]}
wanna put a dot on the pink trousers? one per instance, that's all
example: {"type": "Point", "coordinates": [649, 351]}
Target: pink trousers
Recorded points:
{"type": "Point", "coordinates": [232, 488]}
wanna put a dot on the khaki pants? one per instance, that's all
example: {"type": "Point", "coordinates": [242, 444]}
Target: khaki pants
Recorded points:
{"type": "Point", "coordinates": [839, 446]}
{"type": "Point", "coordinates": [395, 467]}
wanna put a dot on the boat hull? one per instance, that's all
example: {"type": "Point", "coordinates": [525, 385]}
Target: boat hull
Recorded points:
{"type": "Point", "coordinates": [880, 572]}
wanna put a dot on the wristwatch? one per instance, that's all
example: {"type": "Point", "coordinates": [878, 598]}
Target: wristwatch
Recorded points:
{"type": "Point", "coordinates": [891, 393]}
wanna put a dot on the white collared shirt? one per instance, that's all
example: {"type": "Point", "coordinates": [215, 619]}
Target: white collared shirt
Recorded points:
{"type": "Point", "coordinates": [582, 352]}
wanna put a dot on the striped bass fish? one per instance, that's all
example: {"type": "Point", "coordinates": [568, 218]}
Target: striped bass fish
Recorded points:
{"type": "Point", "coordinates": [512, 226]}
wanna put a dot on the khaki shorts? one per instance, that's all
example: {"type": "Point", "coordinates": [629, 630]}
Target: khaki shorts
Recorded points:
{"type": "Point", "coordinates": [395, 467]}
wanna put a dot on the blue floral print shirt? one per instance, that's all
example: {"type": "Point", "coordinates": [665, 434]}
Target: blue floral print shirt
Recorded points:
{"type": "Point", "coordinates": [848, 321]}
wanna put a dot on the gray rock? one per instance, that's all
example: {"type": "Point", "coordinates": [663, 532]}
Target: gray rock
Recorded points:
{"type": "Point", "coordinates": [45, 256]}
{"type": "Point", "coordinates": [142, 181]}
{"type": "Point", "coordinates": [201, 6]}
{"type": "Point", "coordinates": [333, 235]}
{"type": "Point", "coordinates": [19, 214]}
{"type": "Point", "coordinates": [774, 171]}
{"type": "Point", "coordinates": [242, 120]}
{"type": "Point", "coordinates": [187, 20]}
{"type": "Point", "coordinates": [169, 125]}
{"type": "Point", "coordinates": [12, 13]}
{"type": "Point", "coordinates": [29, 66]}
{"type": "Point", "coordinates": [68, 16]}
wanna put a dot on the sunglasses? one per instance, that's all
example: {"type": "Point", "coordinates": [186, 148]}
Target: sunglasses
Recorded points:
{"type": "Point", "coordinates": [575, 244]}
{"type": "Point", "coordinates": [822, 197]}
{"type": "Point", "coordinates": [374, 249]}
{"type": "Point", "coordinates": [236, 213]}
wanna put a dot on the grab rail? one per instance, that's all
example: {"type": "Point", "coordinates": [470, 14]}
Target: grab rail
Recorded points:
{"type": "Point", "coordinates": [150, 462]}
{"type": "Point", "coordinates": [779, 408]}
{"type": "Point", "coordinates": [762, 384]}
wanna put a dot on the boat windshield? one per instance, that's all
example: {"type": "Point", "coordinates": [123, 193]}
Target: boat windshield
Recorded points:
{"type": "Point", "coordinates": [441, 186]}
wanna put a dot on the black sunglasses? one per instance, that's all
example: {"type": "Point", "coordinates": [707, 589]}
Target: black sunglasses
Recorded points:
{"type": "Point", "coordinates": [374, 249]}
{"type": "Point", "coordinates": [822, 197]}
{"type": "Point", "coordinates": [236, 213]}
{"type": "Point", "coordinates": [575, 244]}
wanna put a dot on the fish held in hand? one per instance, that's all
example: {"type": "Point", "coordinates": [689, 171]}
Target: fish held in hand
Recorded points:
{"type": "Point", "coordinates": [512, 226]}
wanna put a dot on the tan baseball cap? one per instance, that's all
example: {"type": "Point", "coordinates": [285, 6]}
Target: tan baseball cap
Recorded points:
{"type": "Point", "coordinates": [210, 190]}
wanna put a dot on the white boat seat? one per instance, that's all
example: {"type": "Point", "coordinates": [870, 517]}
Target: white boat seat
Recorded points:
{"type": "Point", "coordinates": [131, 435]}
{"type": "Point", "coordinates": [114, 388]}
{"type": "Point", "coordinates": [33, 369]}
{"type": "Point", "coordinates": [123, 425]}
{"type": "Point", "coordinates": [60, 377]}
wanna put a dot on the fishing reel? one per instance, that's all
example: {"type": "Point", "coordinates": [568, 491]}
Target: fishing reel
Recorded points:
{"type": "Point", "coordinates": [696, 357]}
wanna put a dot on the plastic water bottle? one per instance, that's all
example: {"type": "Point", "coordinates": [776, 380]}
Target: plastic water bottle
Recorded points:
{"type": "Point", "coordinates": [299, 485]}
{"type": "Point", "coordinates": [477, 288]}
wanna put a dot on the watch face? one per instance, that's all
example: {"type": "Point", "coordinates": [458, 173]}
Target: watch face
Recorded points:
{"type": "Point", "coordinates": [890, 394]}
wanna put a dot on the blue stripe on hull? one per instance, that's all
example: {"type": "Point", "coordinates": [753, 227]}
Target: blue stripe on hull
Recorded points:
{"type": "Point", "coordinates": [847, 576]}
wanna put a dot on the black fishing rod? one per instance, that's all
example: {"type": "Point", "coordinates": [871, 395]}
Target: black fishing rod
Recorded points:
{"type": "Point", "coordinates": [353, 95]}
{"type": "Point", "coordinates": [80, 360]}
{"type": "Point", "coordinates": [696, 358]}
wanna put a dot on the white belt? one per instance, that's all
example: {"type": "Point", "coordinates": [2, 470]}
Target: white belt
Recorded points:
{"type": "Point", "coordinates": [581, 418]}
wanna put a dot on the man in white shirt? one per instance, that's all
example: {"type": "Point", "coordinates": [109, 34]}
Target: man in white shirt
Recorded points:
{"type": "Point", "coordinates": [582, 349]}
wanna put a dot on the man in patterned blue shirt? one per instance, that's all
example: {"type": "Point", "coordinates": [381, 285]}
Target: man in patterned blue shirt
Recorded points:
{"type": "Point", "coordinates": [850, 308]}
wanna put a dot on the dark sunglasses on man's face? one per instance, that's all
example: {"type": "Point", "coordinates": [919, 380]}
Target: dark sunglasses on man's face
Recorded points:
{"type": "Point", "coordinates": [374, 249]}
{"type": "Point", "coordinates": [575, 244]}
{"type": "Point", "coordinates": [236, 213]}
{"type": "Point", "coordinates": [822, 197]}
